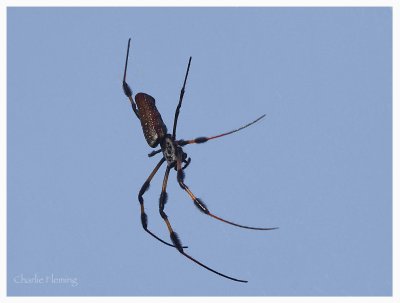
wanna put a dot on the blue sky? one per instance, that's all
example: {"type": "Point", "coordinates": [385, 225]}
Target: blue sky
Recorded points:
{"type": "Point", "coordinates": [318, 166]}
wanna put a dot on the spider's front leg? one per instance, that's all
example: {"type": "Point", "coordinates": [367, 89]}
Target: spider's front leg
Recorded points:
{"type": "Point", "coordinates": [187, 162]}
{"type": "Point", "coordinates": [154, 152]}
{"type": "Point", "coordinates": [126, 87]}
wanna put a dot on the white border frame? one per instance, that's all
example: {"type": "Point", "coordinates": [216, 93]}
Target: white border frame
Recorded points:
{"type": "Point", "coordinates": [394, 4]}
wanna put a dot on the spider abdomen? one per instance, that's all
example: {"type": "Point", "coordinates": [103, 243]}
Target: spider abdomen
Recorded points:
{"type": "Point", "coordinates": [153, 126]}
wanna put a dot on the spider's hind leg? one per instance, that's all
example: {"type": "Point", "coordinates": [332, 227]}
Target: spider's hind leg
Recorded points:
{"type": "Point", "coordinates": [143, 189]}
{"type": "Point", "coordinates": [202, 207]}
{"type": "Point", "coordinates": [162, 202]}
{"type": "Point", "coordinates": [174, 236]}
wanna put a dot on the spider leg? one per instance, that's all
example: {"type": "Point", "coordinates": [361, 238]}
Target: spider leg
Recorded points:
{"type": "Point", "coordinates": [180, 100]}
{"type": "Point", "coordinates": [199, 140]}
{"type": "Point", "coordinates": [187, 162]}
{"type": "Point", "coordinates": [154, 152]}
{"type": "Point", "coordinates": [203, 208]}
{"type": "Point", "coordinates": [174, 236]}
{"type": "Point", "coordinates": [144, 188]}
{"type": "Point", "coordinates": [126, 87]}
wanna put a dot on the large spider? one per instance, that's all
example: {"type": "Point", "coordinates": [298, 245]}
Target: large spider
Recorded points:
{"type": "Point", "coordinates": [156, 133]}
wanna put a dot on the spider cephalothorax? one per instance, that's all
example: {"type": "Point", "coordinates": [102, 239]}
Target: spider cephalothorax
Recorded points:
{"type": "Point", "coordinates": [171, 151]}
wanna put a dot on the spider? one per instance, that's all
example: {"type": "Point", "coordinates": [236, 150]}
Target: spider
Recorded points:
{"type": "Point", "coordinates": [155, 133]}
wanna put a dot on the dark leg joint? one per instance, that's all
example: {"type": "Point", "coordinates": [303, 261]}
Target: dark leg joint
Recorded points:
{"type": "Point", "coordinates": [201, 140]}
{"type": "Point", "coordinates": [144, 220]}
{"type": "Point", "coordinates": [144, 188]}
{"type": "Point", "coordinates": [177, 242]}
{"type": "Point", "coordinates": [180, 175]}
{"type": "Point", "coordinates": [140, 199]}
{"type": "Point", "coordinates": [127, 89]}
{"type": "Point", "coordinates": [163, 214]}
{"type": "Point", "coordinates": [163, 199]}
{"type": "Point", "coordinates": [201, 206]}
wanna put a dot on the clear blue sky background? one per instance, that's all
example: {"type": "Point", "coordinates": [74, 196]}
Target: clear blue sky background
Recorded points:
{"type": "Point", "coordinates": [318, 166]}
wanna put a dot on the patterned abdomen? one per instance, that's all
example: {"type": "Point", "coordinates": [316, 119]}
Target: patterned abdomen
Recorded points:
{"type": "Point", "coordinates": [153, 126]}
